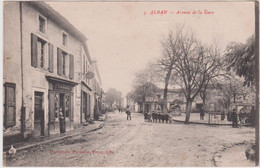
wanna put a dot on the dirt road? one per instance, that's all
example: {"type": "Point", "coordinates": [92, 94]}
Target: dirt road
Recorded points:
{"type": "Point", "coordinates": [138, 143]}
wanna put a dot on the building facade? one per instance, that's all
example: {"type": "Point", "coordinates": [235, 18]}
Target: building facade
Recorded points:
{"type": "Point", "coordinates": [44, 76]}
{"type": "Point", "coordinates": [86, 91]}
{"type": "Point", "coordinates": [215, 100]}
{"type": "Point", "coordinates": [97, 91]}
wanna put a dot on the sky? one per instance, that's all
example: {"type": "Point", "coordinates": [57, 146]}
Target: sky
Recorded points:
{"type": "Point", "coordinates": [124, 36]}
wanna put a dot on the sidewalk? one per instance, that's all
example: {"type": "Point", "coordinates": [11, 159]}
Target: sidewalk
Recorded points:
{"type": "Point", "coordinates": [195, 119]}
{"type": "Point", "coordinates": [56, 137]}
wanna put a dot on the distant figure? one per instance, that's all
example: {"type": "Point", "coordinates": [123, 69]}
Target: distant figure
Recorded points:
{"type": "Point", "coordinates": [62, 123]}
{"type": "Point", "coordinates": [154, 117]}
{"type": "Point", "coordinates": [119, 109]}
{"type": "Point", "coordinates": [149, 117]}
{"type": "Point", "coordinates": [128, 112]}
{"type": "Point", "coordinates": [223, 116]}
{"type": "Point", "coordinates": [234, 118]}
{"type": "Point", "coordinates": [145, 115]}
{"type": "Point", "coordinates": [202, 113]}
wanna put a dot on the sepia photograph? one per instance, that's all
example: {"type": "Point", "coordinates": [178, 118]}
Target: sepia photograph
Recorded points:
{"type": "Point", "coordinates": [130, 84]}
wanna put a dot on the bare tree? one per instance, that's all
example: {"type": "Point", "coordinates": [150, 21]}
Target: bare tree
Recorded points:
{"type": "Point", "coordinates": [144, 86]}
{"type": "Point", "coordinates": [192, 63]}
{"type": "Point", "coordinates": [170, 51]}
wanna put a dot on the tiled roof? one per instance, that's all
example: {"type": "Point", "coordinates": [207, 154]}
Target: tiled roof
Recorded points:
{"type": "Point", "coordinates": [49, 12]}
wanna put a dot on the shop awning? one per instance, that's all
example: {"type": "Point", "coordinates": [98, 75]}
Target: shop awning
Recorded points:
{"type": "Point", "coordinates": [57, 79]}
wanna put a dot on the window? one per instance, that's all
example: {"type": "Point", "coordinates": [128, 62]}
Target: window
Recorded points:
{"type": "Point", "coordinates": [64, 39]}
{"type": "Point", "coordinates": [65, 63]}
{"type": "Point", "coordinates": [42, 24]}
{"type": "Point", "coordinates": [54, 101]}
{"type": "Point", "coordinates": [67, 106]}
{"type": "Point", "coordinates": [41, 53]}
{"type": "Point", "coordinates": [10, 105]}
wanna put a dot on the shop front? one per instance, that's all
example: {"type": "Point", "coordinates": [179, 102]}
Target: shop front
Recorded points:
{"type": "Point", "coordinates": [85, 103]}
{"type": "Point", "coordinates": [60, 105]}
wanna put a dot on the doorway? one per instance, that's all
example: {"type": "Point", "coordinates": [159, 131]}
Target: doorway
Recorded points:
{"type": "Point", "coordinates": [85, 107]}
{"type": "Point", "coordinates": [65, 111]}
{"type": "Point", "coordinates": [38, 114]}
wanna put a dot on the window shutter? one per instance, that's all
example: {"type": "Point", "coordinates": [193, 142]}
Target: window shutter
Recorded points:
{"type": "Point", "coordinates": [52, 107]}
{"type": "Point", "coordinates": [10, 105]}
{"type": "Point", "coordinates": [59, 61]}
{"type": "Point", "coordinates": [50, 57]}
{"type": "Point", "coordinates": [71, 66]}
{"type": "Point", "coordinates": [33, 50]}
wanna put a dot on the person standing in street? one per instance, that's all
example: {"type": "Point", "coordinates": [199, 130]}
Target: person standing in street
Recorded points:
{"type": "Point", "coordinates": [128, 112]}
{"type": "Point", "coordinates": [222, 116]}
{"type": "Point", "coordinates": [62, 122]}
{"type": "Point", "coordinates": [202, 113]}
{"type": "Point", "coordinates": [234, 118]}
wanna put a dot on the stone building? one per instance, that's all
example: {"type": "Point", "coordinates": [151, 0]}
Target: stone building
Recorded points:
{"type": "Point", "coordinates": [215, 100]}
{"type": "Point", "coordinates": [86, 93]}
{"type": "Point", "coordinates": [44, 73]}
{"type": "Point", "coordinates": [97, 91]}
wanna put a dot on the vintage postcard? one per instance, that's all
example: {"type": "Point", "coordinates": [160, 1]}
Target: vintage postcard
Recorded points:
{"type": "Point", "coordinates": [130, 84]}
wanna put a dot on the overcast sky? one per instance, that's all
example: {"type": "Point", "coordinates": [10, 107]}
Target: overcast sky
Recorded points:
{"type": "Point", "coordinates": [123, 39]}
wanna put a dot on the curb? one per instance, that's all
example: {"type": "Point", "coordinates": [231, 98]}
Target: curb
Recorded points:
{"type": "Point", "coordinates": [56, 139]}
{"type": "Point", "coordinates": [190, 122]}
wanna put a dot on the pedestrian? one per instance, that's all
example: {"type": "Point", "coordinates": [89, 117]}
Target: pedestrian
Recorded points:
{"type": "Point", "coordinates": [119, 109]}
{"type": "Point", "coordinates": [128, 112]}
{"type": "Point", "coordinates": [202, 113]}
{"type": "Point", "coordinates": [145, 116]}
{"type": "Point", "coordinates": [234, 118]}
{"type": "Point", "coordinates": [62, 122]}
{"type": "Point", "coordinates": [223, 116]}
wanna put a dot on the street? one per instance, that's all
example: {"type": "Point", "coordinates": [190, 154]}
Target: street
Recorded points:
{"type": "Point", "coordinates": [134, 142]}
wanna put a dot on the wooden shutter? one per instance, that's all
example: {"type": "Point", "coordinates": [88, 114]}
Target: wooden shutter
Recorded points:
{"type": "Point", "coordinates": [59, 61]}
{"type": "Point", "coordinates": [33, 50]}
{"type": "Point", "coordinates": [51, 107]}
{"type": "Point", "coordinates": [10, 105]}
{"type": "Point", "coordinates": [71, 74]}
{"type": "Point", "coordinates": [50, 57]}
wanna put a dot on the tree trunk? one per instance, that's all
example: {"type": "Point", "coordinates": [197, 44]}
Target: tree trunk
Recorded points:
{"type": "Point", "coordinates": [188, 110]}
{"type": "Point", "coordinates": [143, 105]}
{"type": "Point", "coordinates": [204, 102]}
{"type": "Point", "coordinates": [228, 103]}
{"type": "Point", "coordinates": [165, 109]}
{"type": "Point", "coordinates": [167, 78]}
